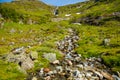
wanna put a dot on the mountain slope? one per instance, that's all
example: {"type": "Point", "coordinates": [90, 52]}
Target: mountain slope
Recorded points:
{"type": "Point", "coordinates": [24, 10]}
{"type": "Point", "coordinates": [99, 21]}
{"type": "Point", "coordinates": [92, 12]}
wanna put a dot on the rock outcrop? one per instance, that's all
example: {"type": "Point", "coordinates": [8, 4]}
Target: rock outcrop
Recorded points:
{"type": "Point", "coordinates": [22, 58]}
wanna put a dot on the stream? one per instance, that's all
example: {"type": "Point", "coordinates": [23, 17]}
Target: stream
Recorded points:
{"type": "Point", "coordinates": [73, 66]}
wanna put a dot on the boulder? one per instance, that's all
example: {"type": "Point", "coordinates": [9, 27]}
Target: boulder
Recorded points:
{"type": "Point", "coordinates": [27, 64]}
{"type": "Point", "coordinates": [50, 56]}
{"type": "Point", "coordinates": [34, 55]}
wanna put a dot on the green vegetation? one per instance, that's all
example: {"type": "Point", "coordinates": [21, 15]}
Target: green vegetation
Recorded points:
{"type": "Point", "coordinates": [101, 10]}
{"type": "Point", "coordinates": [9, 71]}
{"type": "Point", "coordinates": [44, 34]}
{"type": "Point", "coordinates": [24, 10]}
{"type": "Point", "coordinates": [90, 43]}
{"type": "Point", "coordinates": [42, 38]}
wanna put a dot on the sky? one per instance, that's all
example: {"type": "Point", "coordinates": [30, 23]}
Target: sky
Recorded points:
{"type": "Point", "coordinates": [54, 2]}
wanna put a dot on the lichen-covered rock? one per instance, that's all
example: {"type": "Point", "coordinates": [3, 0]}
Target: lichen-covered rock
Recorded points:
{"type": "Point", "coordinates": [34, 55]}
{"type": "Point", "coordinates": [50, 56]}
{"type": "Point", "coordinates": [27, 64]}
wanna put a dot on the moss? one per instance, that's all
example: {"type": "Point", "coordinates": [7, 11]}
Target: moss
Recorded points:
{"type": "Point", "coordinates": [9, 71]}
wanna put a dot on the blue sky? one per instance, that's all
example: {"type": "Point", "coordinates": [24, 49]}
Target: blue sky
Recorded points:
{"type": "Point", "coordinates": [61, 2]}
{"type": "Point", "coordinates": [54, 2]}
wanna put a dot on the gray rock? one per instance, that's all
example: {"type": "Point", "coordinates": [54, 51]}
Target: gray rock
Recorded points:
{"type": "Point", "coordinates": [34, 55]}
{"type": "Point", "coordinates": [106, 42]}
{"type": "Point", "coordinates": [59, 68]}
{"type": "Point", "coordinates": [99, 74]}
{"type": "Point", "coordinates": [76, 73]}
{"type": "Point", "coordinates": [77, 23]}
{"type": "Point", "coordinates": [18, 50]}
{"type": "Point", "coordinates": [50, 56]}
{"type": "Point", "coordinates": [47, 78]}
{"type": "Point", "coordinates": [80, 66]}
{"type": "Point", "coordinates": [10, 57]}
{"type": "Point", "coordinates": [107, 75]}
{"type": "Point", "coordinates": [27, 64]}
{"type": "Point", "coordinates": [116, 77]}
{"type": "Point", "coordinates": [70, 30]}
{"type": "Point", "coordinates": [34, 78]}
{"type": "Point", "coordinates": [68, 56]}
{"type": "Point", "coordinates": [89, 74]}
{"type": "Point", "coordinates": [12, 30]}
{"type": "Point", "coordinates": [41, 72]}
{"type": "Point", "coordinates": [56, 62]}
{"type": "Point", "coordinates": [118, 73]}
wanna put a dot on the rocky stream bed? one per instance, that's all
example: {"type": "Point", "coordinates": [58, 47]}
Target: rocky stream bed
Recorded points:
{"type": "Point", "coordinates": [72, 66]}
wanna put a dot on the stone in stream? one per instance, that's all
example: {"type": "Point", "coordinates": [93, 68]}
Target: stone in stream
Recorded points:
{"type": "Point", "coordinates": [80, 66]}
{"type": "Point", "coordinates": [69, 62]}
{"type": "Point", "coordinates": [46, 70]}
{"type": "Point", "coordinates": [107, 75]}
{"type": "Point", "coordinates": [59, 69]}
{"type": "Point", "coordinates": [68, 56]}
{"type": "Point", "coordinates": [118, 73]}
{"type": "Point", "coordinates": [76, 73]}
{"type": "Point", "coordinates": [47, 78]}
{"type": "Point", "coordinates": [115, 77]}
{"type": "Point", "coordinates": [89, 74]}
{"type": "Point", "coordinates": [34, 78]}
{"type": "Point", "coordinates": [56, 62]}
{"type": "Point", "coordinates": [70, 30]}
{"type": "Point", "coordinates": [41, 72]}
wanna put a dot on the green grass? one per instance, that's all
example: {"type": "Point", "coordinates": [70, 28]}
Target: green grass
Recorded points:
{"type": "Point", "coordinates": [9, 71]}
{"type": "Point", "coordinates": [90, 43]}
{"type": "Point", "coordinates": [91, 37]}
{"type": "Point", "coordinates": [26, 35]}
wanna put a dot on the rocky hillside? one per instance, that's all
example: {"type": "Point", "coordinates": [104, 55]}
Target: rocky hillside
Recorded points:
{"type": "Point", "coordinates": [93, 12]}
{"type": "Point", "coordinates": [82, 41]}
